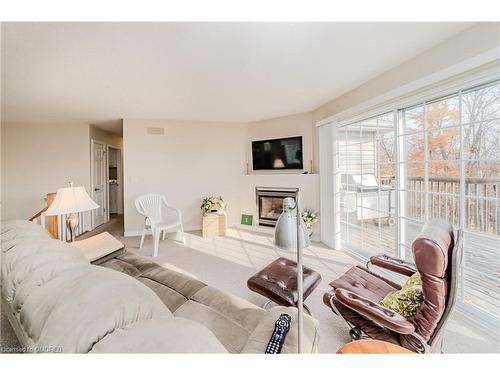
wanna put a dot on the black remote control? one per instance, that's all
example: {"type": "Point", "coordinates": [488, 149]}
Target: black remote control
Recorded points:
{"type": "Point", "coordinates": [281, 328]}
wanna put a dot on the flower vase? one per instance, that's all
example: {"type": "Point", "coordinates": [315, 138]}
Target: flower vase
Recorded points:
{"type": "Point", "coordinates": [309, 229]}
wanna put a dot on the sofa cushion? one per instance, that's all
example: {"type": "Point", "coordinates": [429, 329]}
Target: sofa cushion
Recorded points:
{"type": "Point", "coordinates": [122, 266]}
{"type": "Point", "coordinates": [28, 255]}
{"type": "Point", "coordinates": [244, 313]}
{"type": "Point", "coordinates": [141, 263]}
{"type": "Point", "coordinates": [175, 281]}
{"type": "Point", "coordinates": [79, 308]}
{"type": "Point", "coordinates": [173, 286]}
{"type": "Point", "coordinates": [171, 298]}
{"type": "Point", "coordinates": [230, 318]}
{"type": "Point", "coordinates": [14, 230]}
{"type": "Point", "coordinates": [175, 335]}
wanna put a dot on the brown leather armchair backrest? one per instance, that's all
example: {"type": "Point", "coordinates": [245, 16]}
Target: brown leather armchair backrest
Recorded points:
{"type": "Point", "coordinates": [454, 264]}
{"type": "Point", "coordinates": [433, 255]}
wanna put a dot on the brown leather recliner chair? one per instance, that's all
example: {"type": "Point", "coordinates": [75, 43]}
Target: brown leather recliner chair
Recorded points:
{"type": "Point", "coordinates": [356, 294]}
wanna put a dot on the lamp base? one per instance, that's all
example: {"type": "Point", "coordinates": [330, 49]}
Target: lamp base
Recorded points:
{"type": "Point", "coordinates": [72, 222]}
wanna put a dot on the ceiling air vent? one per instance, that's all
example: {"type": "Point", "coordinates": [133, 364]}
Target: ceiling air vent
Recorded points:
{"type": "Point", "coordinates": [155, 131]}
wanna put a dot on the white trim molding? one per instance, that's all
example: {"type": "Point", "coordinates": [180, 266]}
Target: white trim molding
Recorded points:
{"type": "Point", "coordinates": [328, 206]}
{"type": "Point", "coordinates": [138, 233]}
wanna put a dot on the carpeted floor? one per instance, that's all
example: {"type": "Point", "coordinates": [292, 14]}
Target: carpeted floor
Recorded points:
{"type": "Point", "coordinates": [8, 339]}
{"type": "Point", "coordinates": [227, 263]}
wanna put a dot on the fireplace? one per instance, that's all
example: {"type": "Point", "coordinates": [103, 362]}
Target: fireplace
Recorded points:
{"type": "Point", "coordinates": [270, 203]}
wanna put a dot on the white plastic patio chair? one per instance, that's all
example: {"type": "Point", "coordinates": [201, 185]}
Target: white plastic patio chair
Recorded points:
{"type": "Point", "coordinates": [150, 206]}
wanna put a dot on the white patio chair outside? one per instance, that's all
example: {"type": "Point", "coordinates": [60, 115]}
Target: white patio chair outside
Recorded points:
{"type": "Point", "coordinates": [150, 206]}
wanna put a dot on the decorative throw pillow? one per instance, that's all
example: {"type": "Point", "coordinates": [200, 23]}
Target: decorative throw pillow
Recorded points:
{"type": "Point", "coordinates": [408, 299]}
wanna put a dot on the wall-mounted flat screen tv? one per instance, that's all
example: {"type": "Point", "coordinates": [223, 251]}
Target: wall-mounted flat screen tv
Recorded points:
{"type": "Point", "coordinates": [282, 153]}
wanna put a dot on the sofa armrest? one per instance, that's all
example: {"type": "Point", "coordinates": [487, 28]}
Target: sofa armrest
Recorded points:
{"type": "Point", "coordinates": [375, 312]}
{"type": "Point", "coordinates": [393, 264]}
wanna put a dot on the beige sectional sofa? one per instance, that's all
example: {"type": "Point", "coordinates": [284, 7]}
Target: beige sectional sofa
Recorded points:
{"type": "Point", "coordinates": [57, 301]}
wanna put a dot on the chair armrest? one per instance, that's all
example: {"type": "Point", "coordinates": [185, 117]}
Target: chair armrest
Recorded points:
{"type": "Point", "coordinates": [179, 213]}
{"type": "Point", "coordinates": [375, 312]}
{"type": "Point", "coordinates": [393, 264]}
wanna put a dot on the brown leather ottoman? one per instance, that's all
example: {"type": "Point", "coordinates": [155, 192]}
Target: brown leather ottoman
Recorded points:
{"type": "Point", "coordinates": [278, 282]}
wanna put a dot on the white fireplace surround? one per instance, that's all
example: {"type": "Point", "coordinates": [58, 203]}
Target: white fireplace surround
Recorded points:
{"type": "Point", "coordinates": [307, 184]}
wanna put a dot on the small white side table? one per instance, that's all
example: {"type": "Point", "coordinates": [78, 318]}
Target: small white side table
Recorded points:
{"type": "Point", "coordinates": [214, 224]}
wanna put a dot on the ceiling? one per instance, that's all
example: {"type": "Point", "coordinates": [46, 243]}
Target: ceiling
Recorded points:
{"type": "Point", "coordinates": [235, 72]}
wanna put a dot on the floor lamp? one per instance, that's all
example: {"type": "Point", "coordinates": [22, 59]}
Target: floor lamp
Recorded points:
{"type": "Point", "coordinates": [290, 234]}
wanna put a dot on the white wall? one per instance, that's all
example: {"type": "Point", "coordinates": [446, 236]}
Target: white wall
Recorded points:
{"type": "Point", "coordinates": [289, 126]}
{"type": "Point", "coordinates": [190, 161]}
{"type": "Point", "coordinates": [38, 159]}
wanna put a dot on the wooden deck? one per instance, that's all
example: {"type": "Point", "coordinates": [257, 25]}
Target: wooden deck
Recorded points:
{"type": "Point", "coordinates": [480, 286]}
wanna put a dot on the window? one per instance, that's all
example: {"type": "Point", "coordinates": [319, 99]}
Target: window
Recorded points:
{"type": "Point", "coordinates": [452, 163]}
{"type": "Point", "coordinates": [446, 154]}
{"type": "Point", "coordinates": [367, 173]}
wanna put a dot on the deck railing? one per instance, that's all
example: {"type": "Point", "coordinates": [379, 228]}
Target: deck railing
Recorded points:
{"type": "Point", "coordinates": [482, 200]}
{"type": "Point", "coordinates": [481, 278]}
{"type": "Point", "coordinates": [482, 213]}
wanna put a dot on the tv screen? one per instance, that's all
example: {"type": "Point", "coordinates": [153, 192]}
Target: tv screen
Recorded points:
{"type": "Point", "coordinates": [283, 153]}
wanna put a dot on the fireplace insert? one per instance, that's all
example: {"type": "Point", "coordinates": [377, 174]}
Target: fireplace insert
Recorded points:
{"type": "Point", "coordinates": [270, 203]}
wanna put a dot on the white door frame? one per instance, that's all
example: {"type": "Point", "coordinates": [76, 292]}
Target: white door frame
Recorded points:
{"type": "Point", "coordinates": [92, 145]}
{"type": "Point", "coordinates": [119, 179]}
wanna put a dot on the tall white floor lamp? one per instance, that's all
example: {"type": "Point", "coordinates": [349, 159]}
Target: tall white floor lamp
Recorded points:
{"type": "Point", "coordinates": [290, 234]}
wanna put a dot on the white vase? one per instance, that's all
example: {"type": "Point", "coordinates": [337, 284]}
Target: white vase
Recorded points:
{"type": "Point", "coordinates": [309, 228]}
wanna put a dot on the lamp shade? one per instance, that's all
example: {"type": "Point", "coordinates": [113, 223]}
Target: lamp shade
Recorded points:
{"type": "Point", "coordinates": [285, 233]}
{"type": "Point", "coordinates": [71, 200]}
{"type": "Point", "coordinates": [278, 163]}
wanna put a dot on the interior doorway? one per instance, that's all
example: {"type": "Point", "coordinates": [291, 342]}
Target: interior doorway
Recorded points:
{"type": "Point", "coordinates": [114, 185]}
{"type": "Point", "coordinates": [106, 181]}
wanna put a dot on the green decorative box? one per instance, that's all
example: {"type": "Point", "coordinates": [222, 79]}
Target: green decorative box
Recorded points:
{"type": "Point", "coordinates": [246, 219]}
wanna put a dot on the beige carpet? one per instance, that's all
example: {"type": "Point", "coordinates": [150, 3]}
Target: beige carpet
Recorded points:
{"type": "Point", "coordinates": [8, 339]}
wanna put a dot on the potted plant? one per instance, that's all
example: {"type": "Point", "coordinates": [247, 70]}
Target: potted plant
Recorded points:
{"type": "Point", "coordinates": [213, 204]}
{"type": "Point", "coordinates": [309, 217]}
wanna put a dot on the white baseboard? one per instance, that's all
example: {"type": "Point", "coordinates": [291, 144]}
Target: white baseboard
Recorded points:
{"type": "Point", "coordinates": [269, 230]}
{"type": "Point", "coordinates": [256, 228]}
{"type": "Point", "coordinates": [252, 228]}
{"type": "Point", "coordinates": [135, 233]}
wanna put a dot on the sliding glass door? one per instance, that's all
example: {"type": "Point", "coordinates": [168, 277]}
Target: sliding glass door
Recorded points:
{"type": "Point", "coordinates": [445, 154]}
{"type": "Point", "coordinates": [430, 136]}
{"type": "Point", "coordinates": [367, 174]}
{"type": "Point", "coordinates": [452, 165]}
